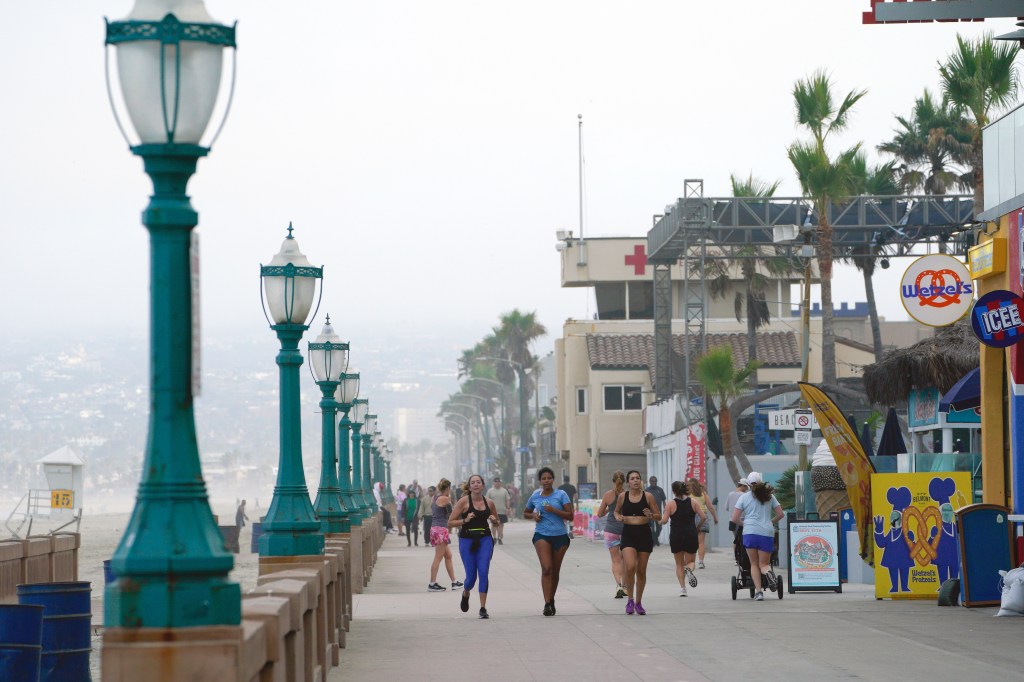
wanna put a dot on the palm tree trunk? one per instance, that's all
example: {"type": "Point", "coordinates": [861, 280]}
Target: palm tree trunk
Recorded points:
{"type": "Point", "coordinates": [979, 174]}
{"type": "Point", "coordinates": [869, 293]}
{"type": "Point", "coordinates": [725, 429]}
{"type": "Point", "coordinates": [828, 339]}
{"type": "Point", "coordinates": [751, 337]}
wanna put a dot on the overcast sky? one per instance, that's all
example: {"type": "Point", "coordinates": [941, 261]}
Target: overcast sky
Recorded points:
{"type": "Point", "coordinates": [426, 152]}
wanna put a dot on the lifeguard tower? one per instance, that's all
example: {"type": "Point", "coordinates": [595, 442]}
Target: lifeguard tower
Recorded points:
{"type": "Point", "coordinates": [60, 504]}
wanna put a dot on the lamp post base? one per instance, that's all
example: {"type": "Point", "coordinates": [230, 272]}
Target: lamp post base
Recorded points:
{"type": "Point", "coordinates": [169, 600]}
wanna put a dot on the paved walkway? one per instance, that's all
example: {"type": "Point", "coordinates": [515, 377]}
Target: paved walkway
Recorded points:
{"type": "Point", "coordinates": [401, 631]}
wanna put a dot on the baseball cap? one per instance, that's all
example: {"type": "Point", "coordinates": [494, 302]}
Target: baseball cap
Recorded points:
{"type": "Point", "coordinates": [753, 477]}
{"type": "Point", "coordinates": [744, 481]}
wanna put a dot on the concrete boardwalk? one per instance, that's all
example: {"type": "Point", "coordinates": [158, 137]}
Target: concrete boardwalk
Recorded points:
{"type": "Point", "coordinates": [401, 631]}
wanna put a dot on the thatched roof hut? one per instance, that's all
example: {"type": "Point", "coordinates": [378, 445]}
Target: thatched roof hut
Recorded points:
{"type": "Point", "coordinates": [939, 361]}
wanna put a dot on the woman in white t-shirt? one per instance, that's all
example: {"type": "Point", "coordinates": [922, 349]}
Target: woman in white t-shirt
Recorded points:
{"type": "Point", "coordinates": [758, 511]}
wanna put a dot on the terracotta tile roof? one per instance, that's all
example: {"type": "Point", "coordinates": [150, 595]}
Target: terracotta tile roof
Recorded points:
{"type": "Point", "coordinates": [636, 351]}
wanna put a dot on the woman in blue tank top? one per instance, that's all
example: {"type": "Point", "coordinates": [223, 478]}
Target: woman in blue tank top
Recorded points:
{"type": "Point", "coordinates": [550, 508]}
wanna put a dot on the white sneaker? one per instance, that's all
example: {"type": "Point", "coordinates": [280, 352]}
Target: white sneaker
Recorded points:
{"type": "Point", "coordinates": [690, 576]}
{"type": "Point", "coordinates": [759, 596]}
{"type": "Point", "coordinates": [682, 591]}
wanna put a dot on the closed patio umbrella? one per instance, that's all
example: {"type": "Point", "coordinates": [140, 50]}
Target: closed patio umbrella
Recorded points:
{"type": "Point", "coordinates": [891, 443]}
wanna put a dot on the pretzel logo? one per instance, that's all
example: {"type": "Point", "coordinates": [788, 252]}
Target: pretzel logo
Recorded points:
{"type": "Point", "coordinates": [938, 294]}
{"type": "Point", "coordinates": [922, 550]}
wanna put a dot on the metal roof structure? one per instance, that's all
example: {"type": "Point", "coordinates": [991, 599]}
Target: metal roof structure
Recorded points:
{"type": "Point", "coordinates": [729, 223]}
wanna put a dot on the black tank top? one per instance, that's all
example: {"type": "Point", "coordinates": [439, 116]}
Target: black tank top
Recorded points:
{"type": "Point", "coordinates": [683, 517]}
{"type": "Point", "coordinates": [634, 508]}
{"type": "Point", "coordinates": [476, 521]}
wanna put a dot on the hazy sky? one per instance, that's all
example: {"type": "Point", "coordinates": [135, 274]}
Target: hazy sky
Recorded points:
{"type": "Point", "coordinates": [426, 152]}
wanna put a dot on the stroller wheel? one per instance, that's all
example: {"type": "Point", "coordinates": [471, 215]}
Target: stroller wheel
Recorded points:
{"type": "Point", "coordinates": [735, 588]}
{"type": "Point", "coordinates": [780, 590]}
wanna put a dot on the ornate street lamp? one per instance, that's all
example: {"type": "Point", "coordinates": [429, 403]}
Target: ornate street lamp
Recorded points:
{"type": "Point", "coordinates": [369, 432]}
{"type": "Point", "coordinates": [289, 284]}
{"type": "Point", "coordinates": [347, 392]}
{"type": "Point", "coordinates": [358, 416]}
{"type": "Point", "coordinates": [171, 563]}
{"type": "Point", "coordinates": [328, 360]}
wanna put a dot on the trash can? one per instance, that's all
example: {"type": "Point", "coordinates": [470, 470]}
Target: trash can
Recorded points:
{"type": "Point", "coordinates": [21, 634]}
{"type": "Point", "coordinates": [67, 636]}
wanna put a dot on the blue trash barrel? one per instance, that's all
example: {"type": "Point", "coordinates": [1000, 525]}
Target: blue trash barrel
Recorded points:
{"type": "Point", "coordinates": [21, 633]}
{"type": "Point", "coordinates": [257, 533]}
{"type": "Point", "coordinates": [67, 632]}
{"type": "Point", "coordinates": [108, 573]}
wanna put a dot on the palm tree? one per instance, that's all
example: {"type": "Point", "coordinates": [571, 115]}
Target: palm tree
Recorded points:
{"type": "Point", "coordinates": [716, 372]}
{"type": "Point", "coordinates": [979, 77]}
{"type": "Point", "coordinates": [758, 266]}
{"type": "Point", "coordinates": [824, 180]}
{"type": "Point", "coordinates": [877, 181]}
{"type": "Point", "coordinates": [931, 145]}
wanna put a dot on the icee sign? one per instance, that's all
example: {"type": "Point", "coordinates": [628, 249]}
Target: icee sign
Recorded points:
{"type": "Point", "coordinates": [937, 290]}
{"type": "Point", "coordinates": [996, 319]}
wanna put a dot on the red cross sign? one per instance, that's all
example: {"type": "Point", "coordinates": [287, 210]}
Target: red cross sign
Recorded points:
{"type": "Point", "coordinates": [638, 260]}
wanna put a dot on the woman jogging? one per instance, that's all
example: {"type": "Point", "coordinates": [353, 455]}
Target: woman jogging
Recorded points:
{"type": "Point", "coordinates": [682, 510]}
{"type": "Point", "coordinates": [757, 511]}
{"type": "Point", "coordinates": [441, 508]}
{"type": "Point", "coordinates": [613, 529]}
{"type": "Point", "coordinates": [635, 508]}
{"type": "Point", "coordinates": [550, 508]}
{"type": "Point", "coordinates": [472, 515]}
{"type": "Point", "coordinates": [698, 493]}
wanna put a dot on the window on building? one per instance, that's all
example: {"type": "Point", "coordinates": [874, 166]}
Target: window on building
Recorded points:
{"type": "Point", "coordinates": [619, 398]}
{"type": "Point", "coordinates": [641, 300]}
{"type": "Point", "coordinates": [581, 401]}
{"type": "Point", "coordinates": [611, 300]}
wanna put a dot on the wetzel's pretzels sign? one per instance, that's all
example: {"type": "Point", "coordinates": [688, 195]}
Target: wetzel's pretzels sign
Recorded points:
{"type": "Point", "coordinates": [937, 290]}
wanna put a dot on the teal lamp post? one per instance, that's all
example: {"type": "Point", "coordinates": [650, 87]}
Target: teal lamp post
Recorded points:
{"type": "Point", "coordinates": [385, 455]}
{"type": "Point", "coordinates": [348, 390]}
{"type": "Point", "coordinates": [328, 360]}
{"type": "Point", "coordinates": [171, 563]}
{"type": "Point", "coordinates": [289, 284]}
{"type": "Point", "coordinates": [358, 416]}
{"type": "Point", "coordinates": [369, 431]}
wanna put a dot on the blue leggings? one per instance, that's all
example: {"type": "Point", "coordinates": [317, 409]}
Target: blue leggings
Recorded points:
{"type": "Point", "coordinates": [477, 563]}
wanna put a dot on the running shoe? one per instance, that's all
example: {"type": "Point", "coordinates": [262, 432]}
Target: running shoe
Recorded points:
{"type": "Point", "coordinates": [548, 609]}
{"type": "Point", "coordinates": [759, 596]}
{"type": "Point", "coordinates": [630, 606]}
{"type": "Point", "coordinates": [464, 604]}
{"type": "Point", "coordinates": [690, 577]}
{"type": "Point", "coordinates": [700, 564]}
{"type": "Point", "coordinates": [456, 585]}
{"type": "Point", "coordinates": [640, 610]}
{"type": "Point", "coordinates": [553, 610]}
{"type": "Point", "coordinates": [500, 541]}
{"type": "Point", "coordinates": [434, 587]}
{"type": "Point", "coordinates": [769, 579]}
{"type": "Point", "coordinates": [483, 614]}
{"type": "Point", "coordinates": [682, 591]}
{"type": "Point", "coordinates": [620, 593]}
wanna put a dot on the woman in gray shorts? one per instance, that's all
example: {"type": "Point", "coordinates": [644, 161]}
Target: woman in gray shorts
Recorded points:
{"type": "Point", "coordinates": [613, 529]}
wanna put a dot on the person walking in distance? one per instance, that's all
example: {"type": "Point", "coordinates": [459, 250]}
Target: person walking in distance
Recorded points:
{"type": "Point", "coordinates": [758, 511]}
{"type": "Point", "coordinates": [441, 509]}
{"type": "Point", "coordinates": [659, 496]}
{"type": "Point", "coordinates": [636, 507]}
{"type": "Point", "coordinates": [570, 490]}
{"type": "Point", "coordinates": [471, 515]}
{"type": "Point", "coordinates": [409, 512]}
{"type": "Point", "coordinates": [499, 496]}
{"type": "Point", "coordinates": [698, 493]}
{"type": "Point", "coordinates": [685, 515]}
{"type": "Point", "coordinates": [240, 517]}
{"type": "Point", "coordinates": [613, 529]}
{"type": "Point", "coordinates": [399, 505]}
{"type": "Point", "coordinates": [550, 508]}
{"type": "Point", "coordinates": [427, 514]}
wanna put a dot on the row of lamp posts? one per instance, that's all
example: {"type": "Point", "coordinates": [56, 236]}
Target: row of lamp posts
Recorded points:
{"type": "Point", "coordinates": [172, 567]}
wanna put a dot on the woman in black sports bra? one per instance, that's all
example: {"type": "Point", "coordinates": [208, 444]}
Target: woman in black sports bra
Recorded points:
{"type": "Point", "coordinates": [635, 508]}
{"type": "Point", "coordinates": [471, 515]}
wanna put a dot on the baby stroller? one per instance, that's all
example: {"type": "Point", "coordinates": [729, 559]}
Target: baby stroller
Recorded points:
{"type": "Point", "coordinates": [743, 580]}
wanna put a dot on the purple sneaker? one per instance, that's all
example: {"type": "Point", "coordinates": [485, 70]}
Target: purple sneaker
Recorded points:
{"type": "Point", "coordinates": [629, 607]}
{"type": "Point", "coordinates": [640, 610]}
